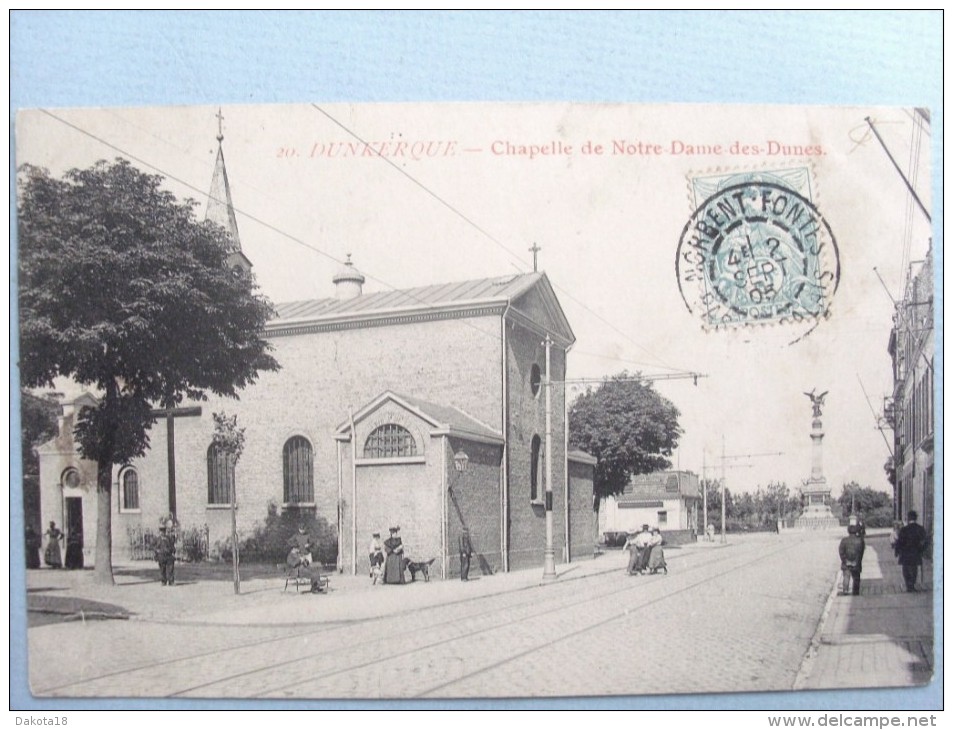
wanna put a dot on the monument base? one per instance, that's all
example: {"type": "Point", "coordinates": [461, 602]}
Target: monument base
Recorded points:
{"type": "Point", "coordinates": [816, 517]}
{"type": "Point", "coordinates": [817, 514]}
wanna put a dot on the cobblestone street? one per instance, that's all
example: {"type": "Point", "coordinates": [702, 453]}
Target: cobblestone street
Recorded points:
{"type": "Point", "coordinates": [727, 618]}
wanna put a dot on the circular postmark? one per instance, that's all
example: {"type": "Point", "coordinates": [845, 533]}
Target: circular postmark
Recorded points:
{"type": "Point", "coordinates": [757, 253]}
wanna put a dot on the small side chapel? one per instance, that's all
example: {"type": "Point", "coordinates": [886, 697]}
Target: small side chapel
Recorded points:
{"type": "Point", "coordinates": [423, 408]}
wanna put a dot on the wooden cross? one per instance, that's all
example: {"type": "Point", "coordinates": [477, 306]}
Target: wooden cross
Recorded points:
{"type": "Point", "coordinates": [535, 249]}
{"type": "Point", "coordinates": [170, 416]}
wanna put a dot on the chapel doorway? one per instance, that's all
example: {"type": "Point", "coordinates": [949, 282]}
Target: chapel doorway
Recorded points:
{"type": "Point", "coordinates": [74, 533]}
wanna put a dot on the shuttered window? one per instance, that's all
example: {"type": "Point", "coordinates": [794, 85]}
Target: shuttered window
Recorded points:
{"type": "Point", "coordinates": [221, 477]}
{"type": "Point", "coordinates": [130, 490]}
{"type": "Point", "coordinates": [298, 460]}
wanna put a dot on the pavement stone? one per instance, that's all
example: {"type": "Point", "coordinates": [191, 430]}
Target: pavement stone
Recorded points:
{"type": "Point", "coordinates": [736, 617]}
{"type": "Point", "coordinates": [881, 638]}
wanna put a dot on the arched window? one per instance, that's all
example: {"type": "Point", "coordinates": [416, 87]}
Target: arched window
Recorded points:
{"type": "Point", "coordinates": [535, 459]}
{"type": "Point", "coordinates": [70, 478]}
{"type": "Point", "coordinates": [388, 441]}
{"type": "Point", "coordinates": [129, 487]}
{"type": "Point", "coordinates": [298, 461]}
{"type": "Point", "coordinates": [221, 477]}
{"type": "Point", "coordinates": [535, 379]}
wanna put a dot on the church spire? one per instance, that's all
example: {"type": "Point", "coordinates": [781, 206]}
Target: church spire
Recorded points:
{"type": "Point", "coordinates": [220, 209]}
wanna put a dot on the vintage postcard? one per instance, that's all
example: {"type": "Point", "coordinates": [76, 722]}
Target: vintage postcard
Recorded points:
{"type": "Point", "coordinates": [429, 401]}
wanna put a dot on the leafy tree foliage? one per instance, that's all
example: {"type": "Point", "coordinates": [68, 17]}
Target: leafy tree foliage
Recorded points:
{"type": "Point", "coordinates": [38, 414]}
{"type": "Point", "coordinates": [628, 427]}
{"type": "Point", "coordinates": [876, 508]}
{"type": "Point", "coordinates": [124, 290]}
{"type": "Point", "coordinates": [747, 511]}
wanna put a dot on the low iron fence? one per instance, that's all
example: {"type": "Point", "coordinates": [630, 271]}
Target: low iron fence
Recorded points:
{"type": "Point", "coordinates": [191, 543]}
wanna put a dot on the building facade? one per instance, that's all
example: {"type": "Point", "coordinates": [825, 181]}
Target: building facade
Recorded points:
{"type": "Point", "coordinates": [910, 410]}
{"type": "Point", "coordinates": [669, 500]}
{"type": "Point", "coordinates": [423, 408]}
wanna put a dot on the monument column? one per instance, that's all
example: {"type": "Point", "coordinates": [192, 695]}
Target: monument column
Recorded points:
{"type": "Point", "coordinates": [817, 511]}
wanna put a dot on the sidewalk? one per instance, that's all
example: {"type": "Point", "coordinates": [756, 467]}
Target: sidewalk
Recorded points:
{"type": "Point", "coordinates": [882, 638]}
{"type": "Point", "coordinates": [138, 596]}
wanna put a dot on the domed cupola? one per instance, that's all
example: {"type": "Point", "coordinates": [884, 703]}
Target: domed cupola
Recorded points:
{"type": "Point", "coordinates": [348, 281]}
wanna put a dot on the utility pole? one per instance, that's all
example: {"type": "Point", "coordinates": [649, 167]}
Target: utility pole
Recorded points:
{"type": "Point", "coordinates": [723, 538]}
{"type": "Point", "coordinates": [704, 497]}
{"type": "Point", "coordinates": [549, 556]}
{"type": "Point", "coordinates": [896, 167]}
{"type": "Point", "coordinates": [724, 458]}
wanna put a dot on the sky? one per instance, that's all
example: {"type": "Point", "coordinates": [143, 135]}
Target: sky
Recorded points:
{"type": "Point", "coordinates": [463, 190]}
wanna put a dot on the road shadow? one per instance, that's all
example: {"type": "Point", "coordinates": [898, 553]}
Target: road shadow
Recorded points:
{"type": "Point", "coordinates": [885, 609]}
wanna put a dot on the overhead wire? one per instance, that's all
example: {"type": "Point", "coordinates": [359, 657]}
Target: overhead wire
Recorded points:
{"type": "Point", "coordinates": [301, 242]}
{"type": "Point", "coordinates": [489, 236]}
{"type": "Point", "coordinates": [246, 214]}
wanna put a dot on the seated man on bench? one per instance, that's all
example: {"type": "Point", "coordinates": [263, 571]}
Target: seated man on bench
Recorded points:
{"type": "Point", "coordinates": [301, 567]}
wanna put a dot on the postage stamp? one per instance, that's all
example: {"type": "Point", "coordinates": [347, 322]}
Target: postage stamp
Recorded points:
{"type": "Point", "coordinates": [756, 250]}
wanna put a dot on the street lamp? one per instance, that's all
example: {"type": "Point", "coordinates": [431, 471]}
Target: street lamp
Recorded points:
{"type": "Point", "coordinates": [460, 463]}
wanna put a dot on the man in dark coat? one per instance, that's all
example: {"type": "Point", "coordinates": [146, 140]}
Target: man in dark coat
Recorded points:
{"type": "Point", "coordinates": [851, 552]}
{"type": "Point", "coordinates": [466, 551]}
{"type": "Point", "coordinates": [165, 555]}
{"type": "Point", "coordinates": [33, 544]}
{"type": "Point", "coordinates": [911, 545]}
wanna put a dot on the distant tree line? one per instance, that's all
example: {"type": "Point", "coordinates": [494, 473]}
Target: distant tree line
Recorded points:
{"type": "Point", "coordinates": [762, 509]}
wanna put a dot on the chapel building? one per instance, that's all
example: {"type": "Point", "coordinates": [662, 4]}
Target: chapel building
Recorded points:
{"type": "Point", "coordinates": [423, 408]}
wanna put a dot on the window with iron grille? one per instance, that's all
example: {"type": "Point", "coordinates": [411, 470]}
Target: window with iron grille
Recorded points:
{"type": "Point", "coordinates": [536, 453]}
{"type": "Point", "coordinates": [298, 460]}
{"type": "Point", "coordinates": [130, 490]}
{"type": "Point", "coordinates": [388, 441]}
{"type": "Point", "coordinates": [221, 477]}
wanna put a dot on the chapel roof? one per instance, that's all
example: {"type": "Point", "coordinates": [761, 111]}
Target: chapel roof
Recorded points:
{"type": "Point", "coordinates": [446, 419]}
{"type": "Point", "coordinates": [526, 299]}
{"type": "Point", "coordinates": [496, 289]}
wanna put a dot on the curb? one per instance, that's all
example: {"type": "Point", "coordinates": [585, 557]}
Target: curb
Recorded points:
{"type": "Point", "coordinates": [807, 663]}
{"type": "Point", "coordinates": [81, 615]}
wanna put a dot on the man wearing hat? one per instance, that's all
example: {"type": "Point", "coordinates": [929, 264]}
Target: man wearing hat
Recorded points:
{"type": "Point", "coordinates": [165, 553]}
{"type": "Point", "coordinates": [301, 545]}
{"type": "Point", "coordinates": [375, 553]}
{"type": "Point", "coordinates": [851, 551]}
{"type": "Point", "coordinates": [910, 548]}
{"type": "Point", "coordinates": [394, 563]}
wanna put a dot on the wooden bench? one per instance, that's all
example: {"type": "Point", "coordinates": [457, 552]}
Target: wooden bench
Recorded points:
{"type": "Point", "coordinates": [305, 575]}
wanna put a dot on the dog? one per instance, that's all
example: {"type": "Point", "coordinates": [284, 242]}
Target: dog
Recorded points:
{"type": "Point", "coordinates": [422, 567]}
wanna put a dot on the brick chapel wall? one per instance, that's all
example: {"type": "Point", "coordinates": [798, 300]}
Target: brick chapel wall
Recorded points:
{"type": "Point", "coordinates": [453, 362]}
{"type": "Point", "coordinates": [474, 502]}
{"type": "Point", "coordinates": [400, 493]}
{"type": "Point", "coordinates": [527, 417]}
{"type": "Point", "coordinates": [582, 518]}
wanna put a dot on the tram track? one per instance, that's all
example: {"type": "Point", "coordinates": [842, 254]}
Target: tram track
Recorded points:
{"type": "Point", "coordinates": [331, 651]}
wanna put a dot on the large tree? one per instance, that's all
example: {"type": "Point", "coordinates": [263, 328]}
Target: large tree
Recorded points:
{"type": "Point", "coordinates": [38, 414]}
{"type": "Point", "coordinates": [875, 507]}
{"type": "Point", "coordinates": [627, 426]}
{"type": "Point", "coordinates": [121, 288]}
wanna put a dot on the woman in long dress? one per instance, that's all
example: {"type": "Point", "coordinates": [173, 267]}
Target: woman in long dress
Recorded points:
{"type": "Point", "coordinates": [656, 561]}
{"type": "Point", "coordinates": [394, 562]}
{"type": "Point", "coordinates": [53, 555]}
